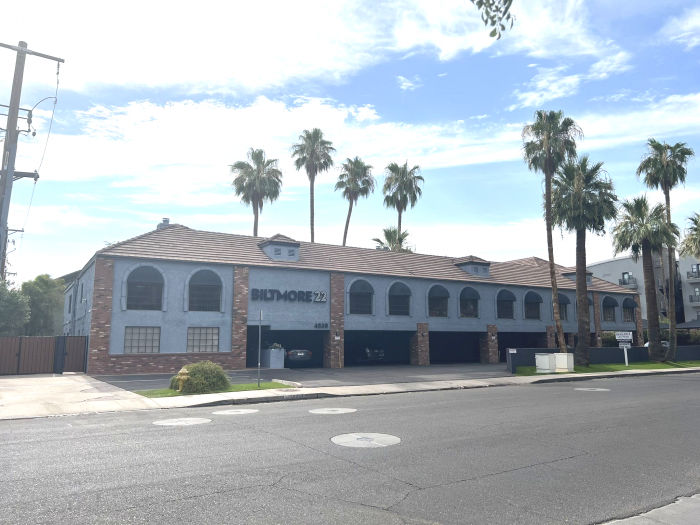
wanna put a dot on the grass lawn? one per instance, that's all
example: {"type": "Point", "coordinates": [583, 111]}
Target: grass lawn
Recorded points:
{"type": "Point", "coordinates": [166, 392]}
{"type": "Point", "coordinates": [646, 365]}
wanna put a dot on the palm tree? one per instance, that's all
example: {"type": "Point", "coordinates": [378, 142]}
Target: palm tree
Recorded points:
{"type": "Point", "coordinates": [583, 199]}
{"type": "Point", "coordinates": [547, 144]}
{"type": "Point", "coordinates": [313, 153]}
{"type": "Point", "coordinates": [690, 246]}
{"type": "Point", "coordinates": [402, 187]}
{"type": "Point", "coordinates": [257, 180]}
{"type": "Point", "coordinates": [394, 241]}
{"type": "Point", "coordinates": [664, 167]}
{"type": "Point", "coordinates": [355, 181]}
{"type": "Point", "coordinates": [644, 230]}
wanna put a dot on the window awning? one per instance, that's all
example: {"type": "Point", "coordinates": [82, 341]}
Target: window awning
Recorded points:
{"type": "Point", "coordinates": [629, 303]}
{"type": "Point", "coordinates": [563, 299]}
{"type": "Point", "coordinates": [505, 295]}
{"type": "Point", "coordinates": [399, 289]}
{"type": "Point", "coordinates": [361, 286]}
{"type": "Point", "coordinates": [469, 294]}
{"type": "Point", "coordinates": [532, 297]}
{"type": "Point", "coordinates": [438, 291]}
{"type": "Point", "coordinates": [609, 302]}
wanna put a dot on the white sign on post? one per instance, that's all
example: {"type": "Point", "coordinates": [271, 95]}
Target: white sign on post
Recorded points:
{"type": "Point", "coordinates": [626, 345]}
{"type": "Point", "coordinates": [623, 336]}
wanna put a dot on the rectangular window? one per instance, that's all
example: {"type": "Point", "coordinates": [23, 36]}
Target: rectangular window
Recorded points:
{"type": "Point", "coordinates": [437, 306]}
{"type": "Point", "coordinates": [625, 278]}
{"type": "Point", "coordinates": [476, 269]}
{"type": "Point", "coordinates": [563, 312]}
{"type": "Point", "coordinates": [505, 309]}
{"type": "Point", "coordinates": [609, 313]}
{"type": "Point", "coordinates": [278, 251]}
{"type": "Point", "coordinates": [290, 252]}
{"type": "Point", "coordinates": [142, 340]}
{"type": "Point", "coordinates": [532, 310]}
{"type": "Point", "coordinates": [203, 339]}
{"type": "Point", "coordinates": [361, 303]}
{"type": "Point", "coordinates": [469, 308]}
{"type": "Point", "coordinates": [399, 305]}
{"type": "Point", "coordinates": [628, 314]}
{"type": "Point", "coordinates": [144, 296]}
{"type": "Point", "coordinates": [697, 291]}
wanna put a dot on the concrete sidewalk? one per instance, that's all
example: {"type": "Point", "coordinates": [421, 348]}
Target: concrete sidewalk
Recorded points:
{"type": "Point", "coordinates": [54, 395]}
{"type": "Point", "coordinates": [683, 511]}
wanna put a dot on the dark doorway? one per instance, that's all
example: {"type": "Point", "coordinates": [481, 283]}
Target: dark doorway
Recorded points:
{"type": "Point", "coordinates": [454, 347]}
{"type": "Point", "coordinates": [291, 340]}
{"type": "Point", "coordinates": [396, 346]}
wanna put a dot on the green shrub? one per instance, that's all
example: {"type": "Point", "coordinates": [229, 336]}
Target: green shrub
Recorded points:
{"type": "Point", "coordinates": [205, 376]}
{"type": "Point", "coordinates": [695, 337]}
{"type": "Point", "coordinates": [609, 339]}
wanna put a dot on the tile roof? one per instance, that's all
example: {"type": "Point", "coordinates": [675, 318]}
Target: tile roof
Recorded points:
{"type": "Point", "coordinates": [279, 238]}
{"type": "Point", "coordinates": [179, 243]}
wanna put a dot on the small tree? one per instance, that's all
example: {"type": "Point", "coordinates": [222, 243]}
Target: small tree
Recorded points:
{"type": "Point", "coordinates": [14, 310]}
{"type": "Point", "coordinates": [394, 241]}
{"type": "Point", "coordinates": [45, 297]}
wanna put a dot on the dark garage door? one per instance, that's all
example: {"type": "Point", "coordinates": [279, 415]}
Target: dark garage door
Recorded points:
{"type": "Point", "coordinates": [396, 346]}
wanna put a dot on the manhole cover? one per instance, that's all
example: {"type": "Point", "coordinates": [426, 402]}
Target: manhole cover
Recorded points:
{"type": "Point", "coordinates": [593, 389]}
{"type": "Point", "coordinates": [182, 422]}
{"type": "Point", "coordinates": [365, 440]}
{"type": "Point", "coordinates": [236, 411]}
{"type": "Point", "coordinates": [332, 410]}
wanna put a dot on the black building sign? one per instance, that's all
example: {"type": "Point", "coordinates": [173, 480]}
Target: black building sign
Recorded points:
{"type": "Point", "coordinates": [300, 296]}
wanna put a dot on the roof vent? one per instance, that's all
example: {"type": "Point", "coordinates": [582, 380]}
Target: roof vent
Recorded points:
{"type": "Point", "coordinates": [166, 222]}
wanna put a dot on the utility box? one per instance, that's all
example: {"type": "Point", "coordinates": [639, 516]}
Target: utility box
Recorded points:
{"type": "Point", "coordinates": [272, 358]}
{"type": "Point", "coordinates": [545, 363]}
{"type": "Point", "coordinates": [564, 362]}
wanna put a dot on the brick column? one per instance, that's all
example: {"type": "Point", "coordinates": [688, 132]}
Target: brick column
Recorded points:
{"type": "Point", "coordinates": [101, 320]}
{"type": "Point", "coordinates": [334, 339]}
{"type": "Point", "coordinates": [488, 345]}
{"type": "Point", "coordinates": [420, 345]}
{"type": "Point", "coordinates": [551, 337]}
{"type": "Point", "coordinates": [239, 313]}
{"type": "Point", "coordinates": [596, 320]}
{"type": "Point", "coordinates": [639, 334]}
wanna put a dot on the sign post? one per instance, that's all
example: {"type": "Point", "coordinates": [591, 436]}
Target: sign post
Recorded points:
{"type": "Point", "coordinates": [624, 340]}
{"type": "Point", "coordinates": [259, 343]}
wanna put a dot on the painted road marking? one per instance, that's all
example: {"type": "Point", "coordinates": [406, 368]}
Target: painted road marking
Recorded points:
{"type": "Point", "coordinates": [332, 410]}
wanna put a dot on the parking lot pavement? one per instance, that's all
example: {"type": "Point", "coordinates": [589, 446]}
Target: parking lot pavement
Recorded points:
{"type": "Point", "coordinates": [323, 377]}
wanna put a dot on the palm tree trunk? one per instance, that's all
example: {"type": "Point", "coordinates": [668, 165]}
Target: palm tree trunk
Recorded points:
{"type": "Point", "coordinates": [550, 251]}
{"type": "Point", "coordinates": [584, 320]}
{"type": "Point", "coordinates": [312, 210]}
{"type": "Point", "coordinates": [399, 231]}
{"type": "Point", "coordinates": [255, 222]}
{"type": "Point", "coordinates": [671, 308]}
{"type": "Point", "coordinates": [656, 353]}
{"type": "Point", "coordinates": [347, 224]}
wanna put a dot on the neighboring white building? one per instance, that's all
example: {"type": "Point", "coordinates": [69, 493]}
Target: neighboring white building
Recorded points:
{"type": "Point", "coordinates": [689, 269]}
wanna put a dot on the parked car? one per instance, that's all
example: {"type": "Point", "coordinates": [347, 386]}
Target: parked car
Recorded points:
{"type": "Point", "coordinates": [663, 343]}
{"type": "Point", "coordinates": [372, 355]}
{"type": "Point", "coordinates": [298, 355]}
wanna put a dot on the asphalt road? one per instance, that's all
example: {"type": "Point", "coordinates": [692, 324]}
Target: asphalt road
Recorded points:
{"type": "Point", "coordinates": [317, 377]}
{"type": "Point", "coordinates": [537, 454]}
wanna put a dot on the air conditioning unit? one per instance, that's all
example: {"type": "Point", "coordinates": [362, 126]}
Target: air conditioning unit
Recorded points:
{"type": "Point", "coordinates": [546, 363]}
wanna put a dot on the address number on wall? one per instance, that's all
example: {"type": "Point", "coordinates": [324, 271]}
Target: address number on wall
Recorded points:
{"type": "Point", "coordinates": [321, 325]}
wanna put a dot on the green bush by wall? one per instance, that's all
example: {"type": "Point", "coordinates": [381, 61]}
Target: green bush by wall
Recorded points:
{"type": "Point", "coordinates": [205, 376]}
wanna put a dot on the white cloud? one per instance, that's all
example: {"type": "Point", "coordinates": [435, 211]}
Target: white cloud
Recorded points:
{"type": "Point", "coordinates": [406, 84]}
{"type": "Point", "coordinates": [442, 74]}
{"type": "Point", "coordinates": [610, 65]}
{"type": "Point", "coordinates": [548, 84]}
{"type": "Point", "coordinates": [683, 30]}
{"type": "Point", "coordinates": [478, 117]}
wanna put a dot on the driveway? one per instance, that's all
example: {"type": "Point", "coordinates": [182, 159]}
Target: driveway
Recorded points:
{"type": "Point", "coordinates": [323, 377]}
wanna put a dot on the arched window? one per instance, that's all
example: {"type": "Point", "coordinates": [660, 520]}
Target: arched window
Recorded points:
{"type": "Point", "coordinates": [628, 310]}
{"type": "Point", "coordinates": [532, 302]}
{"type": "Point", "coordinates": [504, 304]}
{"type": "Point", "coordinates": [399, 299]}
{"type": "Point", "coordinates": [361, 297]}
{"type": "Point", "coordinates": [144, 289]}
{"type": "Point", "coordinates": [205, 292]}
{"type": "Point", "coordinates": [438, 298]}
{"type": "Point", "coordinates": [469, 303]}
{"type": "Point", "coordinates": [609, 305]}
{"type": "Point", "coordinates": [564, 303]}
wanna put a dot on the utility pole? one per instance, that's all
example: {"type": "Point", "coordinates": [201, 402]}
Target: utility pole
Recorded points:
{"type": "Point", "coordinates": [9, 153]}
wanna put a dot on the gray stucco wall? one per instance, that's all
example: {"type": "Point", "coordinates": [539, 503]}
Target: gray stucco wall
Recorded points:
{"type": "Point", "coordinates": [288, 315]}
{"type": "Point", "coordinates": [692, 310]}
{"type": "Point", "coordinates": [611, 271]}
{"type": "Point", "coordinates": [77, 321]}
{"type": "Point", "coordinates": [174, 320]}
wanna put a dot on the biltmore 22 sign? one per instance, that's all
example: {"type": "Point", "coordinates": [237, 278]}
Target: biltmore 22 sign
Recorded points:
{"type": "Point", "coordinates": [300, 296]}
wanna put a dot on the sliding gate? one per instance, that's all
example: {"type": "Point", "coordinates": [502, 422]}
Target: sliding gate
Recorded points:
{"type": "Point", "coordinates": [42, 355]}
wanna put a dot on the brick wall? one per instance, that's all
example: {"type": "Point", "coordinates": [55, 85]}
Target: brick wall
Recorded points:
{"type": "Point", "coordinates": [598, 339]}
{"type": "Point", "coordinates": [101, 362]}
{"type": "Point", "coordinates": [488, 345]}
{"type": "Point", "coordinates": [420, 345]}
{"type": "Point", "coordinates": [334, 349]}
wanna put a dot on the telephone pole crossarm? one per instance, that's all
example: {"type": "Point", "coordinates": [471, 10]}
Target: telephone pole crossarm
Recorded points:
{"type": "Point", "coordinates": [30, 52]}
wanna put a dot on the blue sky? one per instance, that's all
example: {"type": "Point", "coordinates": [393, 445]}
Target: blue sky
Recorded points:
{"type": "Point", "coordinates": [157, 99]}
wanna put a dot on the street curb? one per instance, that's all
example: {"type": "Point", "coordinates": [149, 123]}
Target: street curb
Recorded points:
{"type": "Point", "coordinates": [613, 375]}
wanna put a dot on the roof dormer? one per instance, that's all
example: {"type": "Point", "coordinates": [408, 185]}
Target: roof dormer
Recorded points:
{"type": "Point", "coordinates": [474, 265]}
{"type": "Point", "coordinates": [280, 248]}
{"type": "Point", "coordinates": [570, 273]}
